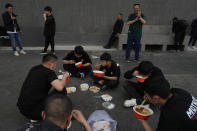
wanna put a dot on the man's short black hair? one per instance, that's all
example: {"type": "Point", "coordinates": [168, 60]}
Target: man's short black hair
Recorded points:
{"type": "Point", "coordinates": [48, 8]}
{"type": "Point", "coordinates": [175, 18]}
{"type": "Point", "coordinates": [79, 50]}
{"type": "Point", "coordinates": [105, 56]}
{"type": "Point", "coordinates": [136, 5]}
{"type": "Point", "coordinates": [8, 5]}
{"type": "Point", "coordinates": [145, 67]}
{"type": "Point", "coordinates": [58, 107]}
{"type": "Point", "coordinates": [120, 14]}
{"type": "Point", "coordinates": [49, 57]}
{"type": "Point", "coordinates": [158, 86]}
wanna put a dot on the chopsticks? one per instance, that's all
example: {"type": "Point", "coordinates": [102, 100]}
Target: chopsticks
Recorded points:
{"type": "Point", "coordinates": [143, 102]}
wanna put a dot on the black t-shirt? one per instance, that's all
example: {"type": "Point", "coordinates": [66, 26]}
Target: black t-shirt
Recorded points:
{"type": "Point", "coordinates": [155, 73]}
{"type": "Point", "coordinates": [179, 113]}
{"type": "Point", "coordinates": [44, 126]}
{"type": "Point", "coordinates": [114, 70]}
{"type": "Point", "coordinates": [49, 26]}
{"type": "Point", "coordinates": [85, 57]}
{"type": "Point", "coordinates": [36, 87]}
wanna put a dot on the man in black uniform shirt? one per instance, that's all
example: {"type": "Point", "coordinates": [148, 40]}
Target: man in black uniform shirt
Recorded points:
{"type": "Point", "coordinates": [78, 55]}
{"type": "Point", "coordinates": [37, 85]}
{"type": "Point", "coordinates": [117, 30]}
{"type": "Point", "coordinates": [49, 30]}
{"type": "Point", "coordinates": [57, 116]}
{"type": "Point", "coordinates": [179, 108]}
{"type": "Point", "coordinates": [112, 72]}
{"type": "Point", "coordinates": [143, 73]}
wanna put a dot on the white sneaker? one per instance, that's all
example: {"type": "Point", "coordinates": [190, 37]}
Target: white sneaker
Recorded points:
{"type": "Point", "coordinates": [23, 52]}
{"type": "Point", "coordinates": [33, 121]}
{"type": "Point", "coordinates": [16, 53]}
{"type": "Point", "coordinates": [130, 103]}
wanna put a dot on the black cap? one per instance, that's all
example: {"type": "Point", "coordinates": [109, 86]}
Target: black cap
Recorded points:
{"type": "Point", "coordinates": [158, 86]}
{"type": "Point", "coordinates": [145, 67]}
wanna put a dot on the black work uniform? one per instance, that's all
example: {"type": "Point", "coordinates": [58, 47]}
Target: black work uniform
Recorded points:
{"type": "Point", "coordinates": [179, 28]}
{"type": "Point", "coordinates": [49, 32]}
{"type": "Point", "coordinates": [35, 90]}
{"type": "Point", "coordinates": [136, 89]}
{"type": "Point", "coordinates": [71, 68]}
{"type": "Point", "coordinates": [193, 37]}
{"type": "Point", "coordinates": [179, 113]}
{"type": "Point", "coordinates": [113, 71]}
{"type": "Point", "coordinates": [117, 29]}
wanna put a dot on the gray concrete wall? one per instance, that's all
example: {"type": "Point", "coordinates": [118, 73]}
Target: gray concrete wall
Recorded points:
{"type": "Point", "coordinates": [91, 21]}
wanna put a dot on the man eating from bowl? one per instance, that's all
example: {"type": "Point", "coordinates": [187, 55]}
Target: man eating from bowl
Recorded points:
{"type": "Point", "coordinates": [37, 85]}
{"type": "Point", "coordinates": [143, 73]}
{"type": "Point", "coordinates": [75, 57]}
{"type": "Point", "coordinates": [179, 108]}
{"type": "Point", "coordinates": [111, 70]}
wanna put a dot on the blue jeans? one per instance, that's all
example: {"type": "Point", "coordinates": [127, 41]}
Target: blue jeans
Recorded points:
{"type": "Point", "coordinates": [13, 37]}
{"type": "Point", "coordinates": [130, 40]}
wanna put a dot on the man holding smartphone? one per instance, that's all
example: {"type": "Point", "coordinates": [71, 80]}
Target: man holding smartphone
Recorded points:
{"type": "Point", "coordinates": [135, 22]}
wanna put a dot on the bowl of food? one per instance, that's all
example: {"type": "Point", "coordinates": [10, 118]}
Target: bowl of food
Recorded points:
{"type": "Point", "coordinates": [71, 90]}
{"type": "Point", "coordinates": [61, 77]}
{"type": "Point", "coordinates": [98, 73]}
{"type": "Point", "coordinates": [142, 112]}
{"type": "Point", "coordinates": [79, 64]}
{"type": "Point", "coordinates": [140, 78]}
{"type": "Point", "coordinates": [94, 89]}
{"type": "Point", "coordinates": [106, 97]}
{"type": "Point", "coordinates": [84, 87]}
{"type": "Point", "coordinates": [102, 126]}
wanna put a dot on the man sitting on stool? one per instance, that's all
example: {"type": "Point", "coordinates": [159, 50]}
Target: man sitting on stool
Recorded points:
{"type": "Point", "coordinates": [78, 55]}
{"type": "Point", "coordinates": [112, 72]}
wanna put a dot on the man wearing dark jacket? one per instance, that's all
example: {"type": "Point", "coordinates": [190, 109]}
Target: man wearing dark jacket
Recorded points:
{"type": "Point", "coordinates": [143, 73]}
{"type": "Point", "coordinates": [193, 37]}
{"type": "Point", "coordinates": [49, 30]}
{"type": "Point", "coordinates": [117, 30]}
{"type": "Point", "coordinates": [179, 29]}
{"type": "Point", "coordinates": [57, 116]}
{"type": "Point", "coordinates": [12, 28]}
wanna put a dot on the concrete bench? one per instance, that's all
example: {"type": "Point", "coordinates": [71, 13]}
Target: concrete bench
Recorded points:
{"type": "Point", "coordinates": [153, 35]}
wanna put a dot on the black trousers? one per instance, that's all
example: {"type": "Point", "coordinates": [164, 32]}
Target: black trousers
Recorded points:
{"type": "Point", "coordinates": [112, 39]}
{"type": "Point", "coordinates": [179, 38]}
{"type": "Point", "coordinates": [193, 39]}
{"type": "Point", "coordinates": [34, 113]}
{"type": "Point", "coordinates": [109, 83]}
{"type": "Point", "coordinates": [49, 40]}
{"type": "Point", "coordinates": [75, 71]}
{"type": "Point", "coordinates": [134, 91]}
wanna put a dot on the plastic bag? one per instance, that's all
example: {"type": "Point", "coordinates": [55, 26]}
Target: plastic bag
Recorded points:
{"type": "Point", "coordinates": [101, 115]}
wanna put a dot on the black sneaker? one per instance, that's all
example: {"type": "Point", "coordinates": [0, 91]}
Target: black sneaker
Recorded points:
{"type": "Point", "coordinates": [43, 52]}
{"type": "Point", "coordinates": [106, 47]}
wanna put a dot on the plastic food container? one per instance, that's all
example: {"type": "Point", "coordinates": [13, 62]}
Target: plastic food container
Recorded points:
{"type": "Point", "coordinates": [106, 97]}
{"type": "Point", "coordinates": [141, 115]}
{"type": "Point", "coordinates": [108, 105]}
{"type": "Point", "coordinates": [79, 64]}
{"type": "Point", "coordinates": [102, 126]}
{"type": "Point", "coordinates": [94, 89]}
{"type": "Point", "coordinates": [98, 73]}
{"type": "Point", "coordinates": [71, 90]}
{"type": "Point", "coordinates": [84, 87]}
